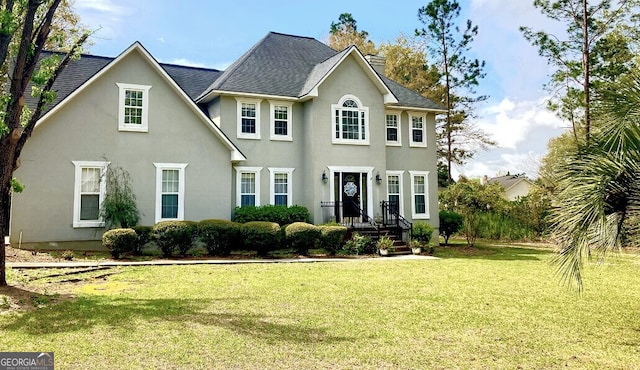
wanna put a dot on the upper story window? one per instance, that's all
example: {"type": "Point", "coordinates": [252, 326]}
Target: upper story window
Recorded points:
{"type": "Point", "coordinates": [392, 121]}
{"type": "Point", "coordinates": [350, 121]}
{"type": "Point", "coordinates": [89, 192]}
{"type": "Point", "coordinates": [281, 115]}
{"type": "Point", "coordinates": [248, 119]}
{"type": "Point", "coordinates": [418, 134]}
{"type": "Point", "coordinates": [133, 113]}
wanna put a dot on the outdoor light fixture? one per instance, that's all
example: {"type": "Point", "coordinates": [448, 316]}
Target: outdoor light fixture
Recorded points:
{"type": "Point", "coordinates": [324, 177]}
{"type": "Point", "coordinates": [378, 179]}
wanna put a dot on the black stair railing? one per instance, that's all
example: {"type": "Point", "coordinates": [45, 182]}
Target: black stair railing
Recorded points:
{"type": "Point", "coordinates": [347, 213]}
{"type": "Point", "coordinates": [391, 217]}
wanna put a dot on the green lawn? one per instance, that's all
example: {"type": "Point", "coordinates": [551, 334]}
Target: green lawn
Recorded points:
{"type": "Point", "coordinates": [494, 307]}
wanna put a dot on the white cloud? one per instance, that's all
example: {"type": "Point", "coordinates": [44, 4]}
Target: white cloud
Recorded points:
{"type": "Point", "coordinates": [102, 6]}
{"type": "Point", "coordinates": [103, 15]}
{"type": "Point", "coordinates": [509, 122]}
{"type": "Point", "coordinates": [160, 40]}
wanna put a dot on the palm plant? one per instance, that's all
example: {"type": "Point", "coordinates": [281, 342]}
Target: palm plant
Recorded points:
{"type": "Point", "coordinates": [598, 188]}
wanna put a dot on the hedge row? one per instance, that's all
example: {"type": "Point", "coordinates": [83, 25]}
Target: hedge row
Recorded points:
{"type": "Point", "coordinates": [282, 215]}
{"type": "Point", "coordinates": [221, 236]}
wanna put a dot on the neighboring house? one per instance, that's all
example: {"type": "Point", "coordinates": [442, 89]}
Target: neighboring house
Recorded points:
{"type": "Point", "coordinates": [515, 186]}
{"type": "Point", "coordinates": [292, 122]}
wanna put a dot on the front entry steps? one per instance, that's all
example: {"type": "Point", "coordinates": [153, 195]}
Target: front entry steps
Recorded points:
{"type": "Point", "coordinates": [399, 246]}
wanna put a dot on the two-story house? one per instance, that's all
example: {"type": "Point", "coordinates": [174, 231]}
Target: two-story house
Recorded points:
{"type": "Point", "coordinates": [290, 122]}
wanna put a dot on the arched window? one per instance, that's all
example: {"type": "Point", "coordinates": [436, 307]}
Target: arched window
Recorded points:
{"type": "Point", "coordinates": [350, 121]}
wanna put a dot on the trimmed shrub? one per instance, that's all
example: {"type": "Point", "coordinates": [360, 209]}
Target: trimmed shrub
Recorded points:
{"type": "Point", "coordinates": [171, 236]}
{"type": "Point", "coordinates": [302, 236]}
{"type": "Point", "coordinates": [261, 236]}
{"type": "Point", "coordinates": [219, 236]}
{"type": "Point", "coordinates": [331, 237]}
{"type": "Point", "coordinates": [450, 223]}
{"type": "Point", "coordinates": [144, 236]}
{"type": "Point", "coordinates": [281, 215]}
{"type": "Point", "coordinates": [119, 241]}
{"type": "Point", "coordinates": [422, 231]}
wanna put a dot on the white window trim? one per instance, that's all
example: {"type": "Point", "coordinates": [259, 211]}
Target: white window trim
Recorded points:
{"type": "Point", "coordinates": [399, 141]}
{"type": "Point", "coordinates": [400, 174]}
{"type": "Point", "coordinates": [414, 215]}
{"type": "Point", "coordinates": [239, 171]}
{"type": "Point", "coordinates": [144, 127]}
{"type": "Point", "coordinates": [79, 165]}
{"type": "Point", "coordinates": [412, 143]}
{"type": "Point", "coordinates": [273, 136]}
{"type": "Point", "coordinates": [272, 191]}
{"type": "Point", "coordinates": [244, 135]}
{"type": "Point", "coordinates": [361, 108]}
{"type": "Point", "coordinates": [181, 189]}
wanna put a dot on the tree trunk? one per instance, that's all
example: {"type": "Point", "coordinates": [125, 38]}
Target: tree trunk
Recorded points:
{"type": "Point", "coordinates": [6, 172]}
{"type": "Point", "coordinates": [5, 200]}
{"type": "Point", "coordinates": [586, 67]}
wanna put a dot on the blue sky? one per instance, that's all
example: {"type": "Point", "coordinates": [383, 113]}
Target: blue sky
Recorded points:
{"type": "Point", "coordinates": [215, 33]}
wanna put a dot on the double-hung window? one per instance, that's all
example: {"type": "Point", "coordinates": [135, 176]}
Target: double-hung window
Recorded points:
{"type": "Point", "coordinates": [392, 121]}
{"type": "Point", "coordinates": [281, 114]}
{"type": "Point", "coordinates": [419, 194]}
{"type": "Point", "coordinates": [394, 190]}
{"type": "Point", "coordinates": [248, 186]}
{"type": "Point", "coordinates": [418, 137]}
{"type": "Point", "coordinates": [133, 107]}
{"type": "Point", "coordinates": [248, 118]}
{"type": "Point", "coordinates": [281, 188]}
{"type": "Point", "coordinates": [89, 192]}
{"type": "Point", "coordinates": [170, 190]}
{"type": "Point", "coordinates": [350, 121]}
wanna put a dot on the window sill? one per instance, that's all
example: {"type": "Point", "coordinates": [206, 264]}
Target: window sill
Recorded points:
{"type": "Point", "coordinates": [83, 224]}
{"type": "Point", "coordinates": [131, 128]}
{"type": "Point", "coordinates": [249, 137]}
{"type": "Point", "coordinates": [350, 142]}
{"type": "Point", "coordinates": [421, 216]}
{"type": "Point", "coordinates": [281, 138]}
{"type": "Point", "coordinates": [393, 143]}
{"type": "Point", "coordinates": [417, 145]}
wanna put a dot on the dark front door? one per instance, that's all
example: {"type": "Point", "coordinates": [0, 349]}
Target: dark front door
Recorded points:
{"type": "Point", "coordinates": [351, 194]}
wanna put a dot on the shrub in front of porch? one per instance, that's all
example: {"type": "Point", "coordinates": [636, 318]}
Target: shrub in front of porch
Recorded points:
{"type": "Point", "coordinates": [359, 244]}
{"type": "Point", "coordinates": [279, 214]}
{"type": "Point", "coordinates": [219, 236]}
{"type": "Point", "coordinates": [302, 236]}
{"type": "Point", "coordinates": [119, 241]}
{"type": "Point", "coordinates": [332, 237]}
{"type": "Point", "coordinates": [422, 232]}
{"type": "Point", "coordinates": [261, 236]}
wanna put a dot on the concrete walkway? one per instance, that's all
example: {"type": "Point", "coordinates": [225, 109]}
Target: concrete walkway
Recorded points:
{"type": "Point", "coordinates": [85, 264]}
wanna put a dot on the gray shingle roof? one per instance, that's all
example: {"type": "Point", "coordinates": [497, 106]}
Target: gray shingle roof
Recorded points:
{"type": "Point", "coordinates": [279, 65]}
{"type": "Point", "coordinates": [288, 65]}
{"type": "Point", "coordinates": [508, 181]}
{"type": "Point", "coordinates": [192, 80]}
{"type": "Point", "coordinates": [409, 98]}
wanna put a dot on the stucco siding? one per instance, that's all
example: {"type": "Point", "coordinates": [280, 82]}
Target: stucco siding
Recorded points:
{"type": "Point", "coordinates": [405, 158]}
{"type": "Point", "coordinates": [86, 129]}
